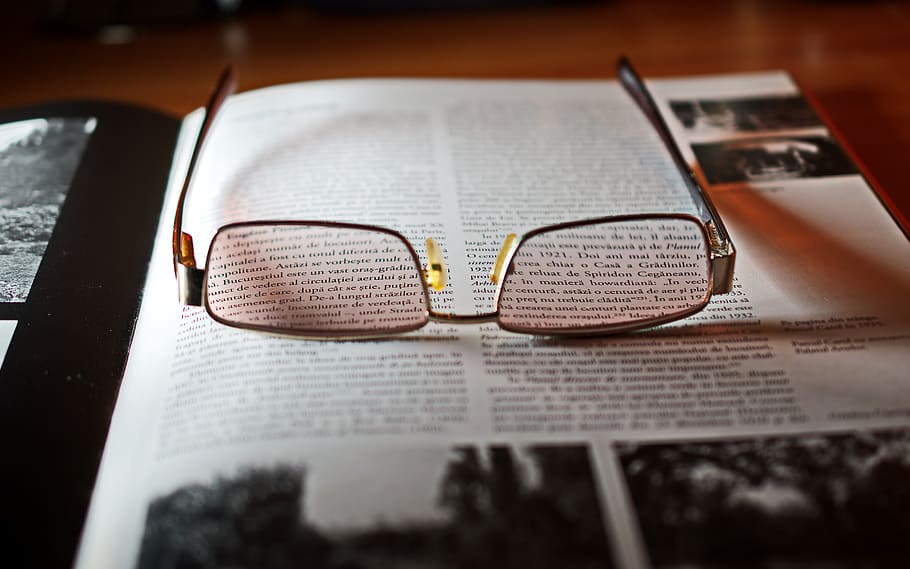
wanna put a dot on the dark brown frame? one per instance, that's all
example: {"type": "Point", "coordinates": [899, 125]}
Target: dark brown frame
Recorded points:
{"type": "Point", "coordinates": [191, 281]}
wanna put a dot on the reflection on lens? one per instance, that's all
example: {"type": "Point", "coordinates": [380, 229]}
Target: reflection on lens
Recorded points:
{"type": "Point", "coordinates": [606, 276]}
{"type": "Point", "coordinates": [324, 280]}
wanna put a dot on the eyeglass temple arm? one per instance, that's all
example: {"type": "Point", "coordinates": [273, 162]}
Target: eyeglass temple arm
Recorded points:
{"type": "Point", "coordinates": [723, 254]}
{"type": "Point", "coordinates": [189, 278]}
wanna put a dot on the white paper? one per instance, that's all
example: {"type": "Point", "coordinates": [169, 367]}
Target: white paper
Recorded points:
{"type": "Point", "coordinates": [814, 338]}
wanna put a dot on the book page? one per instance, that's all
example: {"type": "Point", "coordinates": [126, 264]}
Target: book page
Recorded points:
{"type": "Point", "coordinates": [7, 327]}
{"type": "Point", "coordinates": [441, 437]}
{"type": "Point", "coordinates": [81, 196]}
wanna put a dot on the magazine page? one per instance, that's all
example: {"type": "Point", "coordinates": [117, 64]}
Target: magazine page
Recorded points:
{"type": "Point", "coordinates": [81, 192]}
{"type": "Point", "coordinates": [471, 446]}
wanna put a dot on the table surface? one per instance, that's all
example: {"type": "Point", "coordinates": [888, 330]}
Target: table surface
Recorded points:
{"type": "Point", "coordinates": [854, 57]}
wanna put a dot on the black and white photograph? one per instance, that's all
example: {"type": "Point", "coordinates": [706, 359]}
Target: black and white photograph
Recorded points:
{"type": "Point", "coordinates": [752, 114]}
{"type": "Point", "coordinates": [772, 159]}
{"type": "Point", "coordinates": [38, 159]}
{"type": "Point", "coordinates": [460, 507]}
{"type": "Point", "coordinates": [814, 501]}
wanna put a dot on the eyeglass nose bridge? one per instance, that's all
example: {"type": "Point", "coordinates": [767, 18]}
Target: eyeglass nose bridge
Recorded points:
{"type": "Point", "coordinates": [435, 275]}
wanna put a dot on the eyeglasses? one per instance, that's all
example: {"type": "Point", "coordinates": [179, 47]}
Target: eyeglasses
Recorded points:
{"type": "Point", "coordinates": [331, 280]}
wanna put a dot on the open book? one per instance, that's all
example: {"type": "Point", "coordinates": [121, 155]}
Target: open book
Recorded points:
{"type": "Point", "coordinates": [772, 426]}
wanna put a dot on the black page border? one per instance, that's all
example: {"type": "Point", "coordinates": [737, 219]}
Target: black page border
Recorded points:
{"type": "Point", "coordinates": [62, 372]}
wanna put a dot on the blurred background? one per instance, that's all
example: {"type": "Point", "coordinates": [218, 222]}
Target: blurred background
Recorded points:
{"type": "Point", "coordinates": [854, 57]}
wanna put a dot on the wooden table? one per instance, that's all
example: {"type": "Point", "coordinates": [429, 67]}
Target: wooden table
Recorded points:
{"type": "Point", "coordinates": [854, 57]}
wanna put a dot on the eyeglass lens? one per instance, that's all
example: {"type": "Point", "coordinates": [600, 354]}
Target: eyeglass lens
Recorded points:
{"type": "Point", "coordinates": [323, 280]}
{"type": "Point", "coordinates": [606, 275]}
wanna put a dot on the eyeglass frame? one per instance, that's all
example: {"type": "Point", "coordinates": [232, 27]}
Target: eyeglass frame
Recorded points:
{"type": "Point", "coordinates": [720, 249]}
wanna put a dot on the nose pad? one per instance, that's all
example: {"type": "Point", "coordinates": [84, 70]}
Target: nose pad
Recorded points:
{"type": "Point", "coordinates": [435, 271]}
{"type": "Point", "coordinates": [499, 268]}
